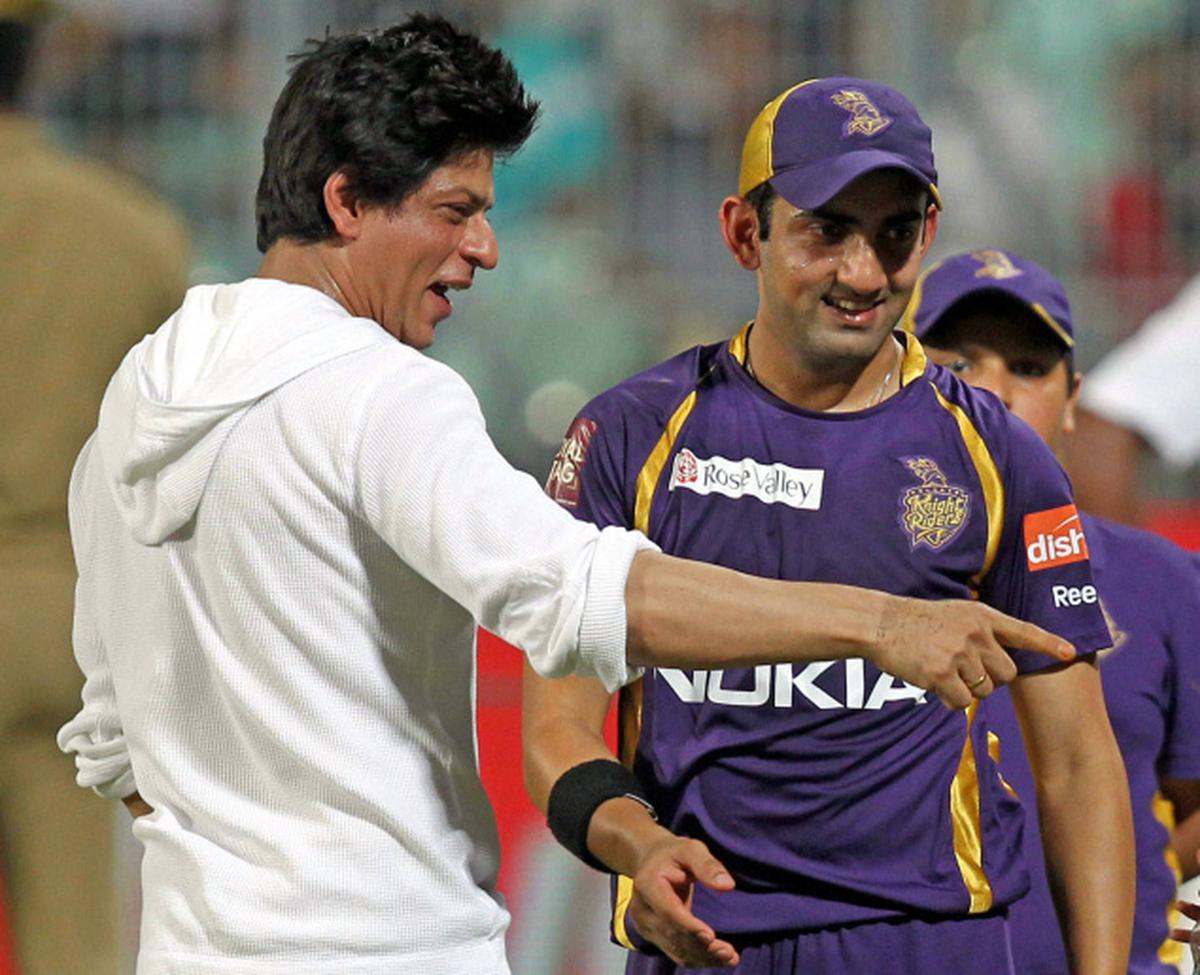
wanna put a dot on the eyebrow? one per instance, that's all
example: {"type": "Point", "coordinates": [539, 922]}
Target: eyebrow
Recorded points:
{"type": "Point", "coordinates": [896, 219]}
{"type": "Point", "coordinates": [477, 201]}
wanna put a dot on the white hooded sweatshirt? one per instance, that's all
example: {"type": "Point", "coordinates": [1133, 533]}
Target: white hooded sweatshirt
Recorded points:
{"type": "Point", "coordinates": [286, 526]}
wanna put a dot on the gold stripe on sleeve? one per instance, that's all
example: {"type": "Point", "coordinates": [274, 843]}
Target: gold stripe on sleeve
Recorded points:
{"type": "Point", "coordinates": [1169, 952]}
{"type": "Point", "coordinates": [648, 476]}
{"type": "Point", "coordinates": [620, 909]}
{"type": "Point", "coordinates": [964, 818]}
{"type": "Point", "coordinates": [993, 747]}
{"type": "Point", "coordinates": [989, 480]}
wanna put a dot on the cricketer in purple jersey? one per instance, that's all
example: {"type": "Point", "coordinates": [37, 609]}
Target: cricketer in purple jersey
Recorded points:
{"type": "Point", "coordinates": [833, 792]}
{"type": "Point", "coordinates": [1004, 324]}
{"type": "Point", "coordinates": [1150, 593]}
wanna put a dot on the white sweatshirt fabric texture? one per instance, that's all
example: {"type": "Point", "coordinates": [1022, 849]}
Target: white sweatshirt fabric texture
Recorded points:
{"type": "Point", "coordinates": [1149, 382]}
{"type": "Point", "coordinates": [286, 526]}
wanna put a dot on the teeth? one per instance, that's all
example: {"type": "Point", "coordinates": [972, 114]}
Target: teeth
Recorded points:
{"type": "Point", "coordinates": [851, 306]}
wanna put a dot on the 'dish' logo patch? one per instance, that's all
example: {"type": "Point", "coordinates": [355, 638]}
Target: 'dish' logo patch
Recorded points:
{"type": "Point", "coordinates": [1054, 537]}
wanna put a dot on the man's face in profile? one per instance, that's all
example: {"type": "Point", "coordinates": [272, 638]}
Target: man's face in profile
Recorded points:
{"type": "Point", "coordinates": [409, 259]}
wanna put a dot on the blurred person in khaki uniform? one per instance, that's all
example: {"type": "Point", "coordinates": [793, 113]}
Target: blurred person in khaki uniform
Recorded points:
{"type": "Point", "coordinates": [89, 263]}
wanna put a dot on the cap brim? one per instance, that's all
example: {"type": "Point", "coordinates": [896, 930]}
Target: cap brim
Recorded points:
{"type": "Point", "coordinates": [929, 313]}
{"type": "Point", "coordinates": [812, 186]}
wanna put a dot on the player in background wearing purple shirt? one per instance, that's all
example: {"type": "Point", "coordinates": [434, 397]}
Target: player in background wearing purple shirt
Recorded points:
{"type": "Point", "coordinates": [830, 817]}
{"type": "Point", "coordinates": [1003, 324]}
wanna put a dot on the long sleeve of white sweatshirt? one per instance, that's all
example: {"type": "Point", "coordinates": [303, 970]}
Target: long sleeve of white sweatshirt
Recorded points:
{"type": "Point", "coordinates": [433, 485]}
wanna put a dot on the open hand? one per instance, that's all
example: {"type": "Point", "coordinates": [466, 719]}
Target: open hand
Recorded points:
{"type": "Point", "coordinates": [662, 900]}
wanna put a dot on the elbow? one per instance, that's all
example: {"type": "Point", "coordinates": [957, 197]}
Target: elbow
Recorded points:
{"type": "Point", "coordinates": [639, 641]}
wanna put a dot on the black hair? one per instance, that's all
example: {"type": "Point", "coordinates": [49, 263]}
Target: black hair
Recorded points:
{"type": "Point", "coordinates": [762, 197]}
{"type": "Point", "coordinates": [386, 107]}
{"type": "Point", "coordinates": [16, 49]}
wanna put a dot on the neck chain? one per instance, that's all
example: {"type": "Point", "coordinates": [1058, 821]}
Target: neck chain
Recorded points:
{"type": "Point", "coordinates": [888, 378]}
{"type": "Point", "coordinates": [874, 400]}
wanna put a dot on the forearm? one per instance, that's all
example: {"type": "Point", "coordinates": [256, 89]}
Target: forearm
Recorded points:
{"type": "Point", "coordinates": [679, 610]}
{"type": "Point", "coordinates": [562, 725]}
{"type": "Point", "coordinates": [686, 614]}
{"type": "Point", "coordinates": [1091, 865]}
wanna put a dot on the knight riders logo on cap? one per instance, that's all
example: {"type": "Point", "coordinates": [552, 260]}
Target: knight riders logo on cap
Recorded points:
{"type": "Point", "coordinates": [995, 264]}
{"type": "Point", "coordinates": [865, 118]}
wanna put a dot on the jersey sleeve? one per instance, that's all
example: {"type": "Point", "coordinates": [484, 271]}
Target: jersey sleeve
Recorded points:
{"type": "Point", "coordinates": [588, 476]}
{"type": "Point", "coordinates": [1181, 757]}
{"type": "Point", "coordinates": [1041, 571]}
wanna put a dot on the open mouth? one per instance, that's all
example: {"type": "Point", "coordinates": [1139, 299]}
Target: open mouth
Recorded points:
{"type": "Point", "coordinates": [441, 292]}
{"type": "Point", "coordinates": [855, 311]}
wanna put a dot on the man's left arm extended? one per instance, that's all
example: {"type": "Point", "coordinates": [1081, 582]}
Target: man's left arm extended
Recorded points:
{"type": "Point", "coordinates": [1083, 803]}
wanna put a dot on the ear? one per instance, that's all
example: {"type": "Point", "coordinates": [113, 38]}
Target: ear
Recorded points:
{"type": "Point", "coordinates": [929, 230]}
{"type": "Point", "coordinates": [344, 209]}
{"type": "Point", "coordinates": [739, 229]}
{"type": "Point", "coordinates": [1068, 421]}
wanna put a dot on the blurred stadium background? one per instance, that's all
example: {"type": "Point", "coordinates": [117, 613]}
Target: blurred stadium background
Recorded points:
{"type": "Point", "coordinates": [1066, 130]}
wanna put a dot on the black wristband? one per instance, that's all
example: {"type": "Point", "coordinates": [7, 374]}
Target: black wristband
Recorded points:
{"type": "Point", "coordinates": [577, 794]}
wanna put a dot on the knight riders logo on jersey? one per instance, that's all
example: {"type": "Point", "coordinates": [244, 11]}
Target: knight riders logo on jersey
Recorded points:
{"type": "Point", "coordinates": [934, 512]}
{"type": "Point", "coordinates": [563, 483]}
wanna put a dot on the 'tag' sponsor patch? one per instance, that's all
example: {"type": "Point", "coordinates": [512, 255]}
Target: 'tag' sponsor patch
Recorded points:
{"type": "Point", "coordinates": [1054, 537]}
{"type": "Point", "coordinates": [563, 483]}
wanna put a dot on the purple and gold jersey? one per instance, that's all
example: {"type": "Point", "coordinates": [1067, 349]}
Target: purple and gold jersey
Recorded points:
{"type": "Point", "coordinates": [834, 792]}
{"type": "Point", "coordinates": [1150, 594]}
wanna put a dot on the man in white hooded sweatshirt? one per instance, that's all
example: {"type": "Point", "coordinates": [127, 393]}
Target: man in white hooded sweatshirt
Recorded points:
{"type": "Point", "coordinates": [289, 523]}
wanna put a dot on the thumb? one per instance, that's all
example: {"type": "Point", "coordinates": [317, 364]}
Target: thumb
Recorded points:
{"type": "Point", "coordinates": [705, 867]}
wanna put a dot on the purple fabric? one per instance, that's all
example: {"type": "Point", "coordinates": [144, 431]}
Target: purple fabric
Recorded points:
{"type": "Point", "coordinates": [831, 131]}
{"type": "Point", "coordinates": [1152, 689]}
{"type": "Point", "coordinates": [825, 788]}
{"type": "Point", "coordinates": [993, 269]}
{"type": "Point", "coordinates": [979, 945]}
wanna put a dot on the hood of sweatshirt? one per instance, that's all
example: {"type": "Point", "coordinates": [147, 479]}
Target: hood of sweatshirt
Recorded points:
{"type": "Point", "coordinates": [180, 391]}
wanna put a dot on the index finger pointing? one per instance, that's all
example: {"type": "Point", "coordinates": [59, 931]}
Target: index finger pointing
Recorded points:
{"type": "Point", "coordinates": [1020, 635]}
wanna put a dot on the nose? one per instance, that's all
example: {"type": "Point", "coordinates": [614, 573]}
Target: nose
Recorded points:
{"type": "Point", "coordinates": [479, 246]}
{"type": "Point", "coordinates": [860, 268]}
